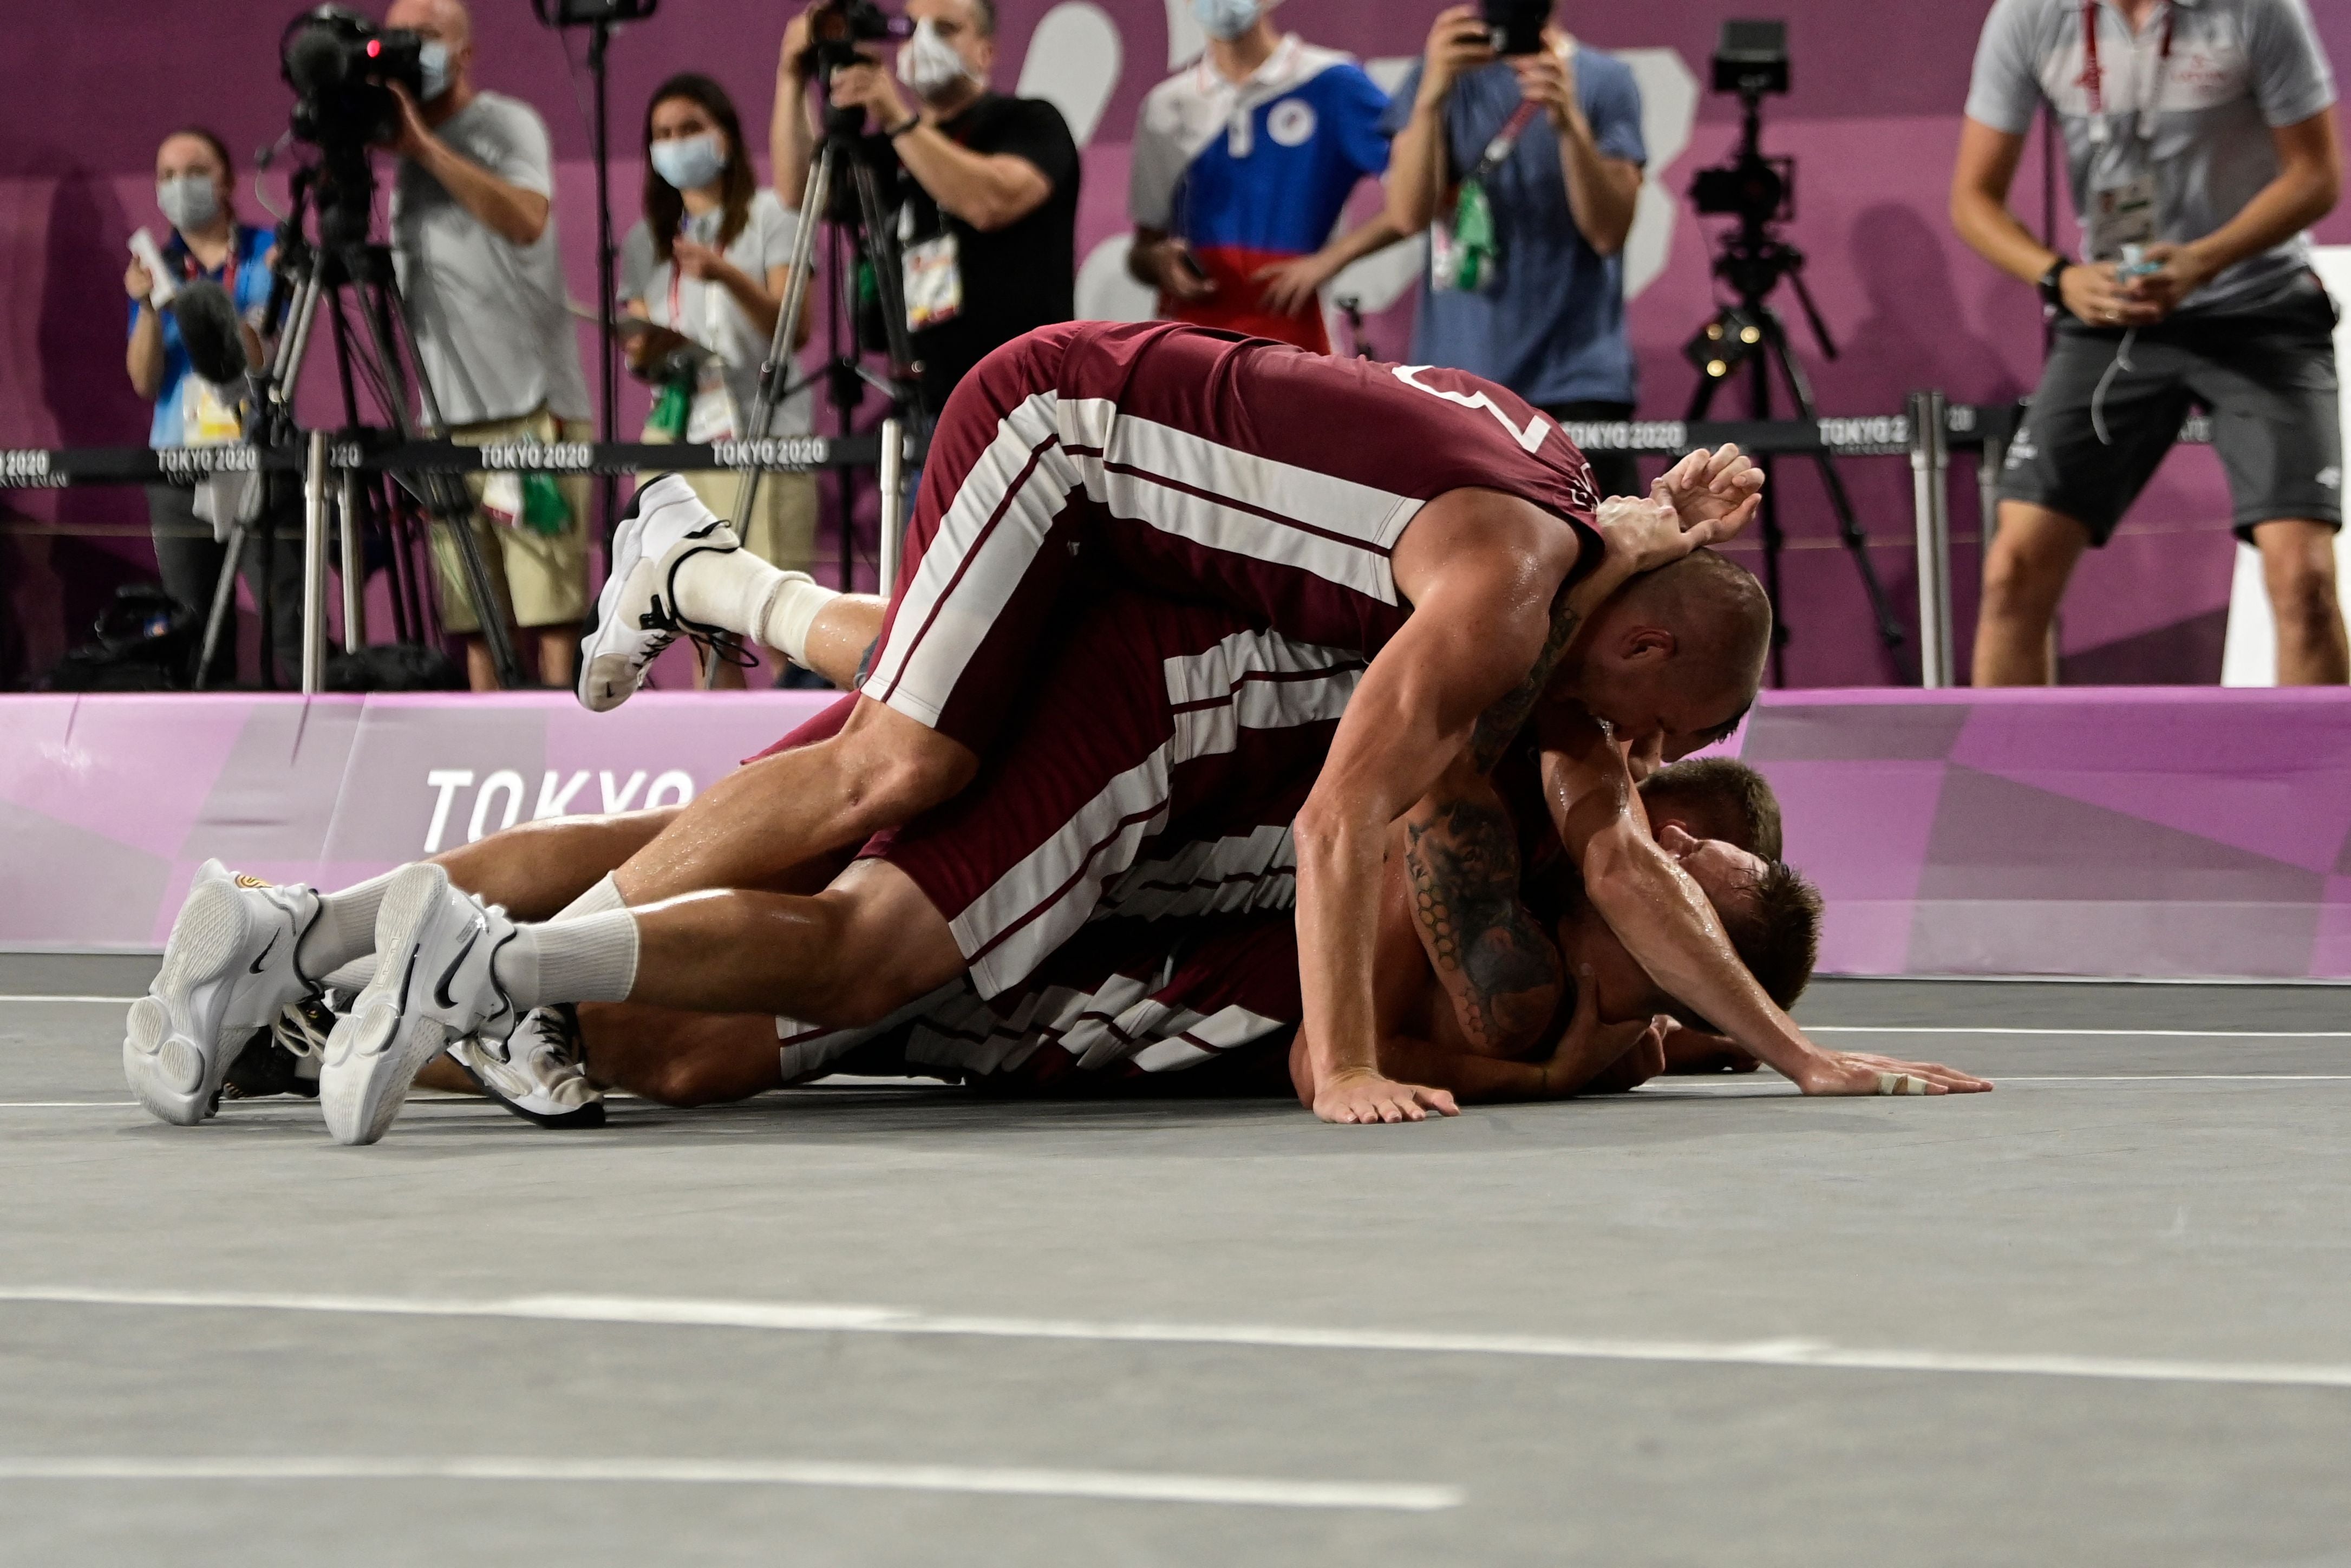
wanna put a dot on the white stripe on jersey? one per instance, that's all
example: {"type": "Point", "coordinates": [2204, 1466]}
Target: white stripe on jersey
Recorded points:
{"type": "Point", "coordinates": [941, 621]}
{"type": "Point", "coordinates": [1343, 530]}
{"type": "Point", "coordinates": [1100, 843]}
{"type": "Point", "coordinates": [1121, 1019]}
{"type": "Point", "coordinates": [1232, 875]}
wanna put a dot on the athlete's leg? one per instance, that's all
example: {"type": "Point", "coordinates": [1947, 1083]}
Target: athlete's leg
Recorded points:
{"type": "Point", "coordinates": [883, 770]}
{"type": "Point", "coordinates": [856, 952]}
{"type": "Point", "coordinates": [680, 1058]}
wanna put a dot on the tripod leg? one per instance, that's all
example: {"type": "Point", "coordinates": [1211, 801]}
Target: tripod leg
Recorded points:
{"type": "Point", "coordinates": [773, 374]}
{"type": "Point", "coordinates": [1849, 529]}
{"type": "Point", "coordinates": [455, 512]}
{"type": "Point", "coordinates": [224, 595]}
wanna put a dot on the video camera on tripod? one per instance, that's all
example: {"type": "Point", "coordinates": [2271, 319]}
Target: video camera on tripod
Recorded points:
{"type": "Point", "coordinates": [839, 32]}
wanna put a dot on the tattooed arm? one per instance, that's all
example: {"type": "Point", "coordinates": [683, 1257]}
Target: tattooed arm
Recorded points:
{"type": "Point", "coordinates": [1492, 957]}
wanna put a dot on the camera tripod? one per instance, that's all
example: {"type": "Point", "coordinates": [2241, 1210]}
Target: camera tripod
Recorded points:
{"type": "Point", "coordinates": [355, 278]}
{"type": "Point", "coordinates": [853, 211]}
{"type": "Point", "coordinates": [1754, 261]}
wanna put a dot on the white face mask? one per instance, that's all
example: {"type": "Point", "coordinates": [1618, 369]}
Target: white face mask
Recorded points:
{"type": "Point", "coordinates": [930, 64]}
{"type": "Point", "coordinates": [190, 201]}
{"type": "Point", "coordinates": [1228, 19]}
{"type": "Point", "coordinates": [433, 69]}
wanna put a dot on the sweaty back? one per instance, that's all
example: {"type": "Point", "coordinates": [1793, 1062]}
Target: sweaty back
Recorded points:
{"type": "Point", "coordinates": [1283, 432]}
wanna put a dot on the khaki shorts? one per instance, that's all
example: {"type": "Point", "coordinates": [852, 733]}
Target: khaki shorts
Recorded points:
{"type": "Point", "coordinates": [543, 577]}
{"type": "Point", "coordinates": [783, 533]}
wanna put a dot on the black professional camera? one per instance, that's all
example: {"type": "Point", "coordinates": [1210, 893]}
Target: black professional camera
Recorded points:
{"type": "Point", "coordinates": [1751, 60]}
{"type": "Point", "coordinates": [1517, 26]}
{"type": "Point", "coordinates": [838, 30]}
{"type": "Point", "coordinates": [339, 63]}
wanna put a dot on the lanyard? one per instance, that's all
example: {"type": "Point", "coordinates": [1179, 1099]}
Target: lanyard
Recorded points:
{"type": "Point", "coordinates": [2093, 78]}
{"type": "Point", "coordinates": [1505, 143]}
{"type": "Point", "coordinates": [192, 269]}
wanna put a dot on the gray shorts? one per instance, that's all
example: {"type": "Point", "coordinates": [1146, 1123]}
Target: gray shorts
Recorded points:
{"type": "Point", "coordinates": [2266, 375]}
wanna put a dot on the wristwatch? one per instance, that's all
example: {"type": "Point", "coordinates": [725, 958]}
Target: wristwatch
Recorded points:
{"type": "Point", "coordinates": [2052, 287]}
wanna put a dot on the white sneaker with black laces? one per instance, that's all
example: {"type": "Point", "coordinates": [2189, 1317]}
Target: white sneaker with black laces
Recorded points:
{"type": "Point", "coordinates": [436, 981]}
{"type": "Point", "coordinates": [228, 969]}
{"type": "Point", "coordinates": [539, 1072]}
{"type": "Point", "coordinates": [636, 614]}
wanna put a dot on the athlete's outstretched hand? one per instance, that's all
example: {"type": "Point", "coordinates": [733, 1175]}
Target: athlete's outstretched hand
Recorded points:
{"type": "Point", "coordinates": [1858, 1072]}
{"type": "Point", "coordinates": [1721, 490]}
{"type": "Point", "coordinates": [1365, 1097]}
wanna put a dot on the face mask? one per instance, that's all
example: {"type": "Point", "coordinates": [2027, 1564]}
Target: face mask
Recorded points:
{"type": "Point", "coordinates": [1227, 19]}
{"type": "Point", "coordinates": [433, 65]}
{"type": "Point", "coordinates": [190, 201]}
{"type": "Point", "coordinates": [930, 64]}
{"type": "Point", "coordinates": [689, 163]}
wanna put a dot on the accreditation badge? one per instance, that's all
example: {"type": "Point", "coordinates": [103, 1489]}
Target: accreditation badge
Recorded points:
{"type": "Point", "coordinates": [934, 282]}
{"type": "Point", "coordinates": [2119, 216]}
{"type": "Point", "coordinates": [208, 413]}
{"type": "Point", "coordinates": [711, 416]}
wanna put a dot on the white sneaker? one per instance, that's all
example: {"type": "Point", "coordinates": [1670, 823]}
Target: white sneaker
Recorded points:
{"type": "Point", "coordinates": [228, 969]}
{"type": "Point", "coordinates": [636, 614]}
{"type": "Point", "coordinates": [538, 1073]}
{"type": "Point", "coordinates": [434, 982]}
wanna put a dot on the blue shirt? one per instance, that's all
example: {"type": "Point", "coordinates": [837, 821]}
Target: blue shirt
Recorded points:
{"type": "Point", "coordinates": [1551, 329]}
{"type": "Point", "coordinates": [250, 293]}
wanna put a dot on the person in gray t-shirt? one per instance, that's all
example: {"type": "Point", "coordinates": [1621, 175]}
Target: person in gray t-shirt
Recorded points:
{"type": "Point", "coordinates": [473, 231]}
{"type": "Point", "coordinates": [2201, 142]}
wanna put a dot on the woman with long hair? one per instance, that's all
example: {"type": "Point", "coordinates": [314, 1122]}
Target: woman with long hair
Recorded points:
{"type": "Point", "coordinates": [707, 270]}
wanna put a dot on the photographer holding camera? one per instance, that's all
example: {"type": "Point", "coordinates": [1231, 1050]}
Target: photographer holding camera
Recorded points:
{"type": "Point", "coordinates": [1523, 149]}
{"type": "Point", "coordinates": [196, 190]}
{"type": "Point", "coordinates": [474, 235]}
{"type": "Point", "coordinates": [984, 187]}
{"type": "Point", "coordinates": [2202, 145]}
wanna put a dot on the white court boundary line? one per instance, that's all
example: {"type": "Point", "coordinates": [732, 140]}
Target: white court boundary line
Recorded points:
{"type": "Point", "coordinates": [819, 1318]}
{"type": "Point", "coordinates": [42, 996]}
{"type": "Point", "coordinates": [2079, 1033]}
{"type": "Point", "coordinates": [1114, 1486]}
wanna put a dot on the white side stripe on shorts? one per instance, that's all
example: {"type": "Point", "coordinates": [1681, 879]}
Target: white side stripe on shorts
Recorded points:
{"type": "Point", "coordinates": [970, 572]}
{"type": "Point", "coordinates": [1036, 906]}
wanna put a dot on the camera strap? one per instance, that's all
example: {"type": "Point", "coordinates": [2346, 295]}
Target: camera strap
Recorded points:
{"type": "Point", "coordinates": [2093, 78]}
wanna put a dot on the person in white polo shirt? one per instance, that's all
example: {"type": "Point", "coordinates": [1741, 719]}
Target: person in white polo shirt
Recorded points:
{"type": "Point", "coordinates": [2201, 140]}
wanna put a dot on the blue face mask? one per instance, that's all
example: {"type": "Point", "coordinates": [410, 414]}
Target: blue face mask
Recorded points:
{"type": "Point", "coordinates": [432, 66]}
{"type": "Point", "coordinates": [689, 163]}
{"type": "Point", "coordinates": [1227, 19]}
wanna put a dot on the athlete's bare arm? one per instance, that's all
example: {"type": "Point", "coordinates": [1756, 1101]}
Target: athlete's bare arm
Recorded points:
{"type": "Point", "coordinates": [1665, 923]}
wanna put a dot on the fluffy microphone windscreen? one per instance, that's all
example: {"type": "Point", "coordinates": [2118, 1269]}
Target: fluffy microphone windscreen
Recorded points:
{"type": "Point", "coordinates": [208, 326]}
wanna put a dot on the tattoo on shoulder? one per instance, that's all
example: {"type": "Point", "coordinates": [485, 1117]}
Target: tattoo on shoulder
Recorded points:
{"type": "Point", "coordinates": [1500, 723]}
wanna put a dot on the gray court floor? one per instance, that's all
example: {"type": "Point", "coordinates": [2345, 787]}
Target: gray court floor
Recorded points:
{"type": "Point", "coordinates": [2100, 1316]}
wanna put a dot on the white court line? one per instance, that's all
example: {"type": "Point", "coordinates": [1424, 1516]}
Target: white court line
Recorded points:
{"type": "Point", "coordinates": [818, 1318]}
{"type": "Point", "coordinates": [1117, 1486]}
{"type": "Point", "coordinates": [112, 1002]}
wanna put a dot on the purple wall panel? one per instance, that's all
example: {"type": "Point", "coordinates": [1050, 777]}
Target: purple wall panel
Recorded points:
{"type": "Point", "coordinates": [2015, 833]}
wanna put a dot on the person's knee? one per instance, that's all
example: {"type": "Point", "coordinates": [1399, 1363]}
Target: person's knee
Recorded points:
{"type": "Point", "coordinates": [887, 787]}
{"type": "Point", "coordinates": [2303, 597]}
{"type": "Point", "coordinates": [2024, 573]}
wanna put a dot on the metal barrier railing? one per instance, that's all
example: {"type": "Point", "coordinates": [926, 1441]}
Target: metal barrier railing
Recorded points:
{"type": "Point", "coordinates": [1928, 434]}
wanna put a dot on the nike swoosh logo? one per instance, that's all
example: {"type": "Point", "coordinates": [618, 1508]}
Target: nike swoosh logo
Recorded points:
{"type": "Point", "coordinates": [441, 991]}
{"type": "Point", "coordinates": [255, 967]}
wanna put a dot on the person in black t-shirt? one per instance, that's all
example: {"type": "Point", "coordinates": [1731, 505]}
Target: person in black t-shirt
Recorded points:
{"type": "Point", "coordinates": [986, 186]}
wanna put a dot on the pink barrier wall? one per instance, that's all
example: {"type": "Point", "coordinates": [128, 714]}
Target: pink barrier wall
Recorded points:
{"type": "Point", "coordinates": [2072, 832]}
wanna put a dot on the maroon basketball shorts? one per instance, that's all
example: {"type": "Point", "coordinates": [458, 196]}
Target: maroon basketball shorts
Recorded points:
{"type": "Point", "coordinates": [1150, 767]}
{"type": "Point", "coordinates": [1055, 458]}
{"type": "Point", "coordinates": [1124, 1000]}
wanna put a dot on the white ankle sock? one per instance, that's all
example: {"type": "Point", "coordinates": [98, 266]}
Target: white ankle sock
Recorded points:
{"type": "Point", "coordinates": [591, 959]}
{"type": "Point", "coordinates": [352, 977]}
{"type": "Point", "coordinates": [737, 591]}
{"type": "Point", "coordinates": [345, 928]}
{"type": "Point", "coordinates": [601, 899]}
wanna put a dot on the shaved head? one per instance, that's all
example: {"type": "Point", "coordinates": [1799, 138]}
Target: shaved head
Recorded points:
{"type": "Point", "coordinates": [1677, 654]}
